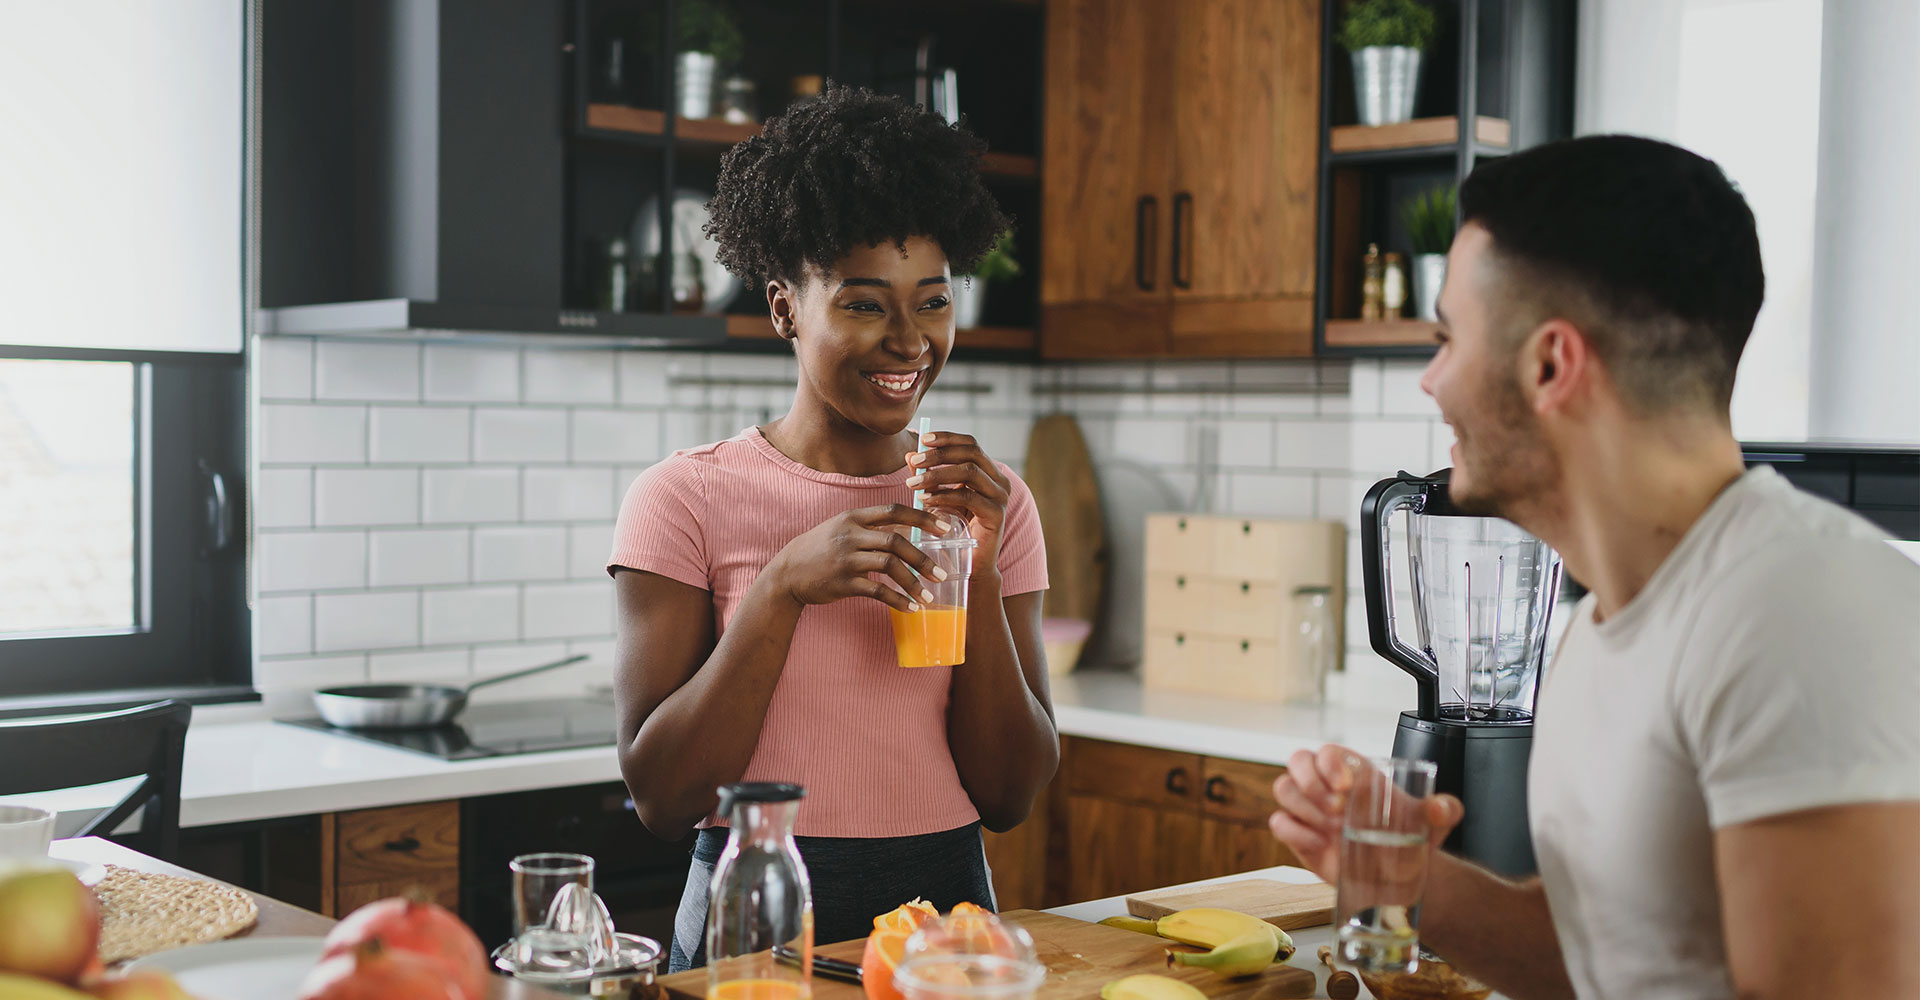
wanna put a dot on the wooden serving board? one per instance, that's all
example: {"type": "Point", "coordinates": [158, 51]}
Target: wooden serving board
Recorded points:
{"type": "Point", "coordinates": [1286, 905]}
{"type": "Point", "coordinates": [1066, 494]}
{"type": "Point", "coordinates": [1080, 958]}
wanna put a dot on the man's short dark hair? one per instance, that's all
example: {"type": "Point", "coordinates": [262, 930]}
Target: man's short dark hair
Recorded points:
{"type": "Point", "coordinates": [851, 168]}
{"type": "Point", "coordinates": [1647, 247]}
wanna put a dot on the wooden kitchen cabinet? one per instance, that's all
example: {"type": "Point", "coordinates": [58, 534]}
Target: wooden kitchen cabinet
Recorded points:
{"type": "Point", "coordinates": [370, 854]}
{"type": "Point", "coordinates": [1181, 171]}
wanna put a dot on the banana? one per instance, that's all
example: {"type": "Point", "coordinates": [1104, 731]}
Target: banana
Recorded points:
{"type": "Point", "coordinates": [1150, 987]}
{"type": "Point", "coordinates": [1208, 927]}
{"type": "Point", "coordinates": [1134, 924]}
{"type": "Point", "coordinates": [1243, 956]}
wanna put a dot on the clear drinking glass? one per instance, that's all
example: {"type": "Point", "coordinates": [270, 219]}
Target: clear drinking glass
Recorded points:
{"type": "Point", "coordinates": [1383, 864]}
{"type": "Point", "coordinates": [761, 899]}
{"type": "Point", "coordinates": [539, 946]}
{"type": "Point", "coordinates": [969, 956]}
{"type": "Point", "coordinates": [1313, 638]}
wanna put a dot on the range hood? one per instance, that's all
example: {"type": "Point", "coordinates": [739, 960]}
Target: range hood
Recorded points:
{"type": "Point", "coordinates": [414, 178]}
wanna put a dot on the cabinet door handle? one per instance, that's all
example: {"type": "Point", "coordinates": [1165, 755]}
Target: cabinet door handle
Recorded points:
{"type": "Point", "coordinates": [1177, 781]}
{"type": "Point", "coordinates": [1146, 217]}
{"type": "Point", "coordinates": [1182, 265]}
{"type": "Point", "coordinates": [403, 845]}
{"type": "Point", "coordinates": [1215, 792]}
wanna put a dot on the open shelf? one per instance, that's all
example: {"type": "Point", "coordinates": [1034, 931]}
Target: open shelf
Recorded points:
{"type": "Point", "coordinates": [1436, 133]}
{"type": "Point", "coordinates": [1380, 333]}
{"type": "Point", "coordinates": [718, 132]}
{"type": "Point", "coordinates": [754, 326]}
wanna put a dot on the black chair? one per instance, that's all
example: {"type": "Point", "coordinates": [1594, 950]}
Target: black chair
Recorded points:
{"type": "Point", "coordinates": [46, 753]}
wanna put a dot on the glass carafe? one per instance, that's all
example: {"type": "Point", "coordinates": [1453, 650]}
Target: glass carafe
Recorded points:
{"type": "Point", "coordinates": [1482, 591]}
{"type": "Point", "coordinates": [760, 912]}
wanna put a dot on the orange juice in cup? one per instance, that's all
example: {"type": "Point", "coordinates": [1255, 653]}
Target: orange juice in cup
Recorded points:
{"type": "Point", "coordinates": [935, 635]}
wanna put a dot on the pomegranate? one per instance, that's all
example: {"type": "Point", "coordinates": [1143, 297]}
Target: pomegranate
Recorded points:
{"type": "Point", "coordinates": [373, 972]}
{"type": "Point", "coordinates": [418, 927]}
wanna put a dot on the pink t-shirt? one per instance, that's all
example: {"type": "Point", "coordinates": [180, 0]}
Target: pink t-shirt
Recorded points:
{"type": "Point", "coordinates": [866, 738]}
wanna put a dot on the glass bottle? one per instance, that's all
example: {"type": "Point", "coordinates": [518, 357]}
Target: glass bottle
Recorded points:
{"type": "Point", "coordinates": [1373, 284]}
{"type": "Point", "coordinates": [761, 901]}
{"type": "Point", "coordinates": [1313, 639]}
{"type": "Point", "coordinates": [1393, 287]}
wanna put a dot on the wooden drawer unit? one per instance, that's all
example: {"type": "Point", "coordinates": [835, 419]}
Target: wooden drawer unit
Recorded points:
{"type": "Point", "coordinates": [1177, 601]}
{"type": "Point", "coordinates": [1239, 791]}
{"type": "Point", "coordinates": [386, 852]}
{"type": "Point", "coordinates": [1126, 773]}
{"type": "Point", "coordinates": [1179, 543]}
{"type": "Point", "coordinates": [1246, 608]}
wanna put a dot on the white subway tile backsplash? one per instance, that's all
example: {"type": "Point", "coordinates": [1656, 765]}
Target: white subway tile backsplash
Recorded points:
{"type": "Point", "coordinates": [1312, 444]}
{"type": "Point", "coordinates": [682, 429]}
{"type": "Point", "coordinates": [1363, 397]}
{"type": "Point", "coordinates": [462, 374]}
{"type": "Point", "coordinates": [1331, 493]}
{"type": "Point", "coordinates": [1400, 392]}
{"type": "Point", "coordinates": [588, 546]}
{"type": "Point", "coordinates": [1004, 439]}
{"type": "Point", "coordinates": [571, 494]}
{"type": "Point", "coordinates": [616, 436]}
{"type": "Point", "coordinates": [420, 434]}
{"type": "Point", "coordinates": [477, 495]}
{"type": "Point", "coordinates": [353, 370]}
{"type": "Point", "coordinates": [366, 497]}
{"type": "Point", "coordinates": [643, 377]}
{"type": "Point", "coordinates": [305, 673]}
{"type": "Point", "coordinates": [283, 498]}
{"type": "Point", "coordinates": [298, 434]}
{"type": "Point", "coordinates": [567, 610]}
{"type": "Point", "coordinates": [418, 556]}
{"type": "Point", "coordinates": [1441, 454]}
{"type": "Point", "coordinates": [492, 660]}
{"type": "Point", "coordinates": [379, 620]}
{"type": "Point", "coordinates": [1156, 441]}
{"type": "Point", "coordinates": [569, 376]}
{"type": "Point", "coordinates": [1246, 443]}
{"type": "Point", "coordinates": [509, 554]}
{"type": "Point", "coordinates": [474, 614]}
{"type": "Point", "coordinates": [284, 367]}
{"type": "Point", "coordinates": [283, 625]}
{"type": "Point", "coordinates": [1272, 494]}
{"type": "Point", "coordinates": [515, 435]}
{"type": "Point", "coordinates": [429, 666]}
{"type": "Point", "coordinates": [310, 560]}
{"type": "Point", "coordinates": [1388, 445]}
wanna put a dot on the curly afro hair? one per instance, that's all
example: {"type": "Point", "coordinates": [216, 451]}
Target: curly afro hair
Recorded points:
{"type": "Point", "coordinates": [850, 168]}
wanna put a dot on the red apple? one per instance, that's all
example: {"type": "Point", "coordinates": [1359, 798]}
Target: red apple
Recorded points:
{"type": "Point", "coordinates": [419, 927]}
{"type": "Point", "coordinates": [373, 972]}
{"type": "Point", "coordinates": [49, 925]}
{"type": "Point", "coordinates": [14, 987]}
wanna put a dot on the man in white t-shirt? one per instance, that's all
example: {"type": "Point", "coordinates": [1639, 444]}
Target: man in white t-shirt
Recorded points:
{"type": "Point", "coordinates": [1725, 786]}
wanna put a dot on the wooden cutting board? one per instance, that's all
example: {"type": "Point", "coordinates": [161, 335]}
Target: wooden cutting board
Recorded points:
{"type": "Point", "coordinates": [1080, 958]}
{"type": "Point", "coordinates": [1285, 905]}
{"type": "Point", "coordinates": [1066, 492]}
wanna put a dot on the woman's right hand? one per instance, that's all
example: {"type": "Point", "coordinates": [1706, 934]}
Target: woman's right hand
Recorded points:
{"type": "Point", "coordinates": [833, 560]}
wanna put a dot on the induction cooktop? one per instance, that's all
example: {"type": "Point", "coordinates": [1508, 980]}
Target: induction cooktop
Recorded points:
{"type": "Point", "coordinates": [495, 729]}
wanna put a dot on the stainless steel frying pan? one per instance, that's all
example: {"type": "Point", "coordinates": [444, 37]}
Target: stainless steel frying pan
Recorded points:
{"type": "Point", "coordinates": [408, 706]}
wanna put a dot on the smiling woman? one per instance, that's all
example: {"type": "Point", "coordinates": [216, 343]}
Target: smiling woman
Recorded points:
{"type": "Point", "coordinates": [755, 574]}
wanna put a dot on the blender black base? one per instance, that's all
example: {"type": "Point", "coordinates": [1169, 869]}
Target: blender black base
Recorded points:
{"type": "Point", "coordinates": [1486, 766]}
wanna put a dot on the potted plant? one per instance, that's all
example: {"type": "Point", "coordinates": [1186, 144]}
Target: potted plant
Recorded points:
{"type": "Point", "coordinates": [708, 38]}
{"type": "Point", "coordinates": [1385, 39]}
{"type": "Point", "coordinates": [1429, 220]}
{"type": "Point", "coordinates": [970, 294]}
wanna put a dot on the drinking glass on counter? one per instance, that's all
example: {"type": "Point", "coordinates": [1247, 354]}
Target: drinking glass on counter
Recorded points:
{"type": "Point", "coordinates": [1383, 864]}
{"type": "Point", "coordinates": [936, 635]}
{"type": "Point", "coordinates": [539, 946]}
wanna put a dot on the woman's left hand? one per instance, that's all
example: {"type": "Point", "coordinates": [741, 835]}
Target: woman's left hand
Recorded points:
{"type": "Point", "coordinates": [957, 475]}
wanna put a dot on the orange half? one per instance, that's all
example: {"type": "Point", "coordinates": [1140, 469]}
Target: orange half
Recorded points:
{"type": "Point", "coordinates": [884, 949]}
{"type": "Point", "coordinates": [906, 916]}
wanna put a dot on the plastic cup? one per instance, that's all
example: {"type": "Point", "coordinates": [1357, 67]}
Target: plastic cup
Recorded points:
{"type": "Point", "coordinates": [969, 957]}
{"type": "Point", "coordinates": [936, 635]}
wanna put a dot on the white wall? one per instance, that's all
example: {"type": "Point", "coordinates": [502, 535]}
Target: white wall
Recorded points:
{"type": "Point", "coordinates": [1866, 357]}
{"type": "Point", "coordinates": [1737, 81]}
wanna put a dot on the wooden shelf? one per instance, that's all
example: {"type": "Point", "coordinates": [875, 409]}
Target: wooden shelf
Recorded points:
{"type": "Point", "coordinates": [1380, 333]}
{"type": "Point", "coordinates": [1416, 134]}
{"type": "Point", "coordinates": [994, 338]}
{"type": "Point", "coordinates": [750, 327]}
{"type": "Point", "coordinates": [716, 132]}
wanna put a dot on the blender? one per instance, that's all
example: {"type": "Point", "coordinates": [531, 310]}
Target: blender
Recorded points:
{"type": "Point", "coordinates": [1482, 592]}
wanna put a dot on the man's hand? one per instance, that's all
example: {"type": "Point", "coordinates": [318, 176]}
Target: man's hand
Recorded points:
{"type": "Point", "coordinates": [1312, 796]}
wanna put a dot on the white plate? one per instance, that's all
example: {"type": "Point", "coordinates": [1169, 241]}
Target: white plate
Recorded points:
{"type": "Point", "coordinates": [241, 969]}
{"type": "Point", "coordinates": [88, 872]}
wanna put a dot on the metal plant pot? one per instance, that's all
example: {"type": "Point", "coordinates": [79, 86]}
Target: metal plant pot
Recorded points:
{"type": "Point", "coordinates": [969, 298]}
{"type": "Point", "coordinates": [1429, 273]}
{"type": "Point", "coordinates": [1385, 81]}
{"type": "Point", "coordinates": [693, 78]}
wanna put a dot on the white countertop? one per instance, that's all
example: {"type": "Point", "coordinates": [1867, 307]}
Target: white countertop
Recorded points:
{"type": "Point", "coordinates": [240, 768]}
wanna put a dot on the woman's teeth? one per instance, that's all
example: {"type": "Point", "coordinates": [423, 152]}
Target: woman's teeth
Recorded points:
{"type": "Point", "coordinates": [895, 383]}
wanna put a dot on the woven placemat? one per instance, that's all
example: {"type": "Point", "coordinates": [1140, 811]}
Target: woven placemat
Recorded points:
{"type": "Point", "coordinates": [142, 913]}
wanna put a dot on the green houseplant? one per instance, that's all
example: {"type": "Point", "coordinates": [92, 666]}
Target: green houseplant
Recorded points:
{"type": "Point", "coordinates": [970, 294]}
{"type": "Point", "coordinates": [1429, 217]}
{"type": "Point", "coordinates": [1384, 38]}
